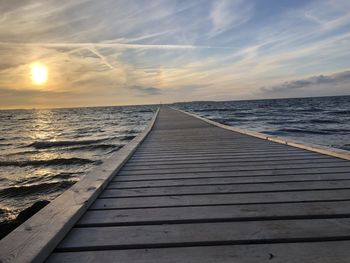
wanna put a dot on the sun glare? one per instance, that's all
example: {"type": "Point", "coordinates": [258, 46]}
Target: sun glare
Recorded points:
{"type": "Point", "coordinates": [39, 73]}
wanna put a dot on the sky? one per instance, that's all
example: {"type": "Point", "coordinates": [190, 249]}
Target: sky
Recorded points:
{"type": "Point", "coordinates": [123, 52]}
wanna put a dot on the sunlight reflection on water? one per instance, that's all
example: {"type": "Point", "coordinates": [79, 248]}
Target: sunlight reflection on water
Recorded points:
{"type": "Point", "coordinates": [42, 152]}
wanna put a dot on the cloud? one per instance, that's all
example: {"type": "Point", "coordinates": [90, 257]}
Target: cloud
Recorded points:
{"type": "Point", "coordinates": [337, 78]}
{"type": "Point", "coordinates": [129, 51]}
{"type": "Point", "coordinates": [89, 45]}
{"type": "Point", "coordinates": [227, 14]}
{"type": "Point", "coordinates": [146, 90]}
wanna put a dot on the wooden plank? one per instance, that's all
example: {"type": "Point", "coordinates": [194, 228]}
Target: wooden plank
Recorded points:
{"type": "Point", "coordinates": [221, 199]}
{"type": "Point", "coordinates": [247, 142]}
{"type": "Point", "coordinates": [217, 155]}
{"type": "Point", "coordinates": [228, 213]}
{"type": "Point", "coordinates": [214, 135]}
{"type": "Point", "coordinates": [225, 163]}
{"type": "Point", "coordinates": [321, 252]}
{"type": "Point", "coordinates": [226, 159]}
{"type": "Point", "coordinates": [211, 189]}
{"type": "Point", "coordinates": [237, 168]}
{"type": "Point", "coordinates": [36, 238]}
{"type": "Point", "coordinates": [118, 184]}
{"type": "Point", "coordinates": [248, 232]}
{"type": "Point", "coordinates": [214, 151]}
{"type": "Point", "coordinates": [202, 145]}
{"type": "Point", "coordinates": [213, 147]}
{"type": "Point", "coordinates": [255, 173]}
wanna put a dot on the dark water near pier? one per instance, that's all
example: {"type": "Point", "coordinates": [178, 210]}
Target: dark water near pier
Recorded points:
{"type": "Point", "coordinates": [43, 152]}
{"type": "Point", "coordinates": [323, 120]}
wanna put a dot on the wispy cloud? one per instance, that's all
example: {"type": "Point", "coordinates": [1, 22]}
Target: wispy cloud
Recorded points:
{"type": "Point", "coordinates": [227, 14]}
{"type": "Point", "coordinates": [103, 58]}
{"type": "Point", "coordinates": [90, 45]}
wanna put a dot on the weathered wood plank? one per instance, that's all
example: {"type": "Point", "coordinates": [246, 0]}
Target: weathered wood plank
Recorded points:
{"type": "Point", "coordinates": [218, 155]}
{"type": "Point", "coordinates": [211, 189]}
{"type": "Point", "coordinates": [225, 163]}
{"type": "Point", "coordinates": [229, 213]}
{"type": "Point", "coordinates": [249, 232]}
{"type": "Point", "coordinates": [204, 146]}
{"type": "Point", "coordinates": [217, 151]}
{"type": "Point", "coordinates": [200, 159]}
{"type": "Point", "coordinates": [213, 147]}
{"type": "Point", "coordinates": [240, 168]}
{"type": "Point", "coordinates": [321, 252]}
{"type": "Point", "coordinates": [119, 184]}
{"type": "Point", "coordinates": [248, 173]}
{"type": "Point", "coordinates": [231, 142]}
{"type": "Point", "coordinates": [277, 158]}
{"type": "Point", "coordinates": [220, 199]}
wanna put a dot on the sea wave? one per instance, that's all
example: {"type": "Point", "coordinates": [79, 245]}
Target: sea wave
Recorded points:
{"type": "Point", "coordinates": [340, 112]}
{"type": "Point", "coordinates": [96, 147]}
{"type": "Point", "coordinates": [215, 109]}
{"type": "Point", "coordinates": [324, 121]}
{"type": "Point", "coordinates": [295, 131]}
{"type": "Point", "coordinates": [309, 110]}
{"type": "Point", "coordinates": [35, 189]}
{"type": "Point", "coordinates": [312, 121]}
{"type": "Point", "coordinates": [57, 161]}
{"type": "Point", "coordinates": [126, 137]}
{"type": "Point", "coordinates": [229, 120]}
{"type": "Point", "coordinates": [49, 144]}
{"type": "Point", "coordinates": [49, 177]}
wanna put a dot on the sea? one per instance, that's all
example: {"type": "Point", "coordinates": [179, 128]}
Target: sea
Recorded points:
{"type": "Point", "coordinates": [45, 151]}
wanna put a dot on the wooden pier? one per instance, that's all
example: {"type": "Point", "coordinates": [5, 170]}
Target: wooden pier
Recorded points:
{"type": "Point", "coordinates": [189, 191]}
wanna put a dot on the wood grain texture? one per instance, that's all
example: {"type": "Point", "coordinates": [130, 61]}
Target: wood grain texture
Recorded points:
{"type": "Point", "coordinates": [320, 252]}
{"type": "Point", "coordinates": [216, 189]}
{"type": "Point", "coordinates": [248, 232]}
{"type": "Point", "coordinates": [230, 173]}
{"type": "Point", "coordinates": [219, 213]}
{"type": "Point", "coordinates": [237, 168]}
{"type": "Point", "coordinates": [121, 184]}
{"type": "Point", "coordinates": [219, 199]}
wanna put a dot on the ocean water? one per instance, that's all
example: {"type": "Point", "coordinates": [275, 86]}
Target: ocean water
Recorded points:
{"type": "Point", "coordinates": [323, 120]}
{"type": "Point", "coordinates": [43, 152]}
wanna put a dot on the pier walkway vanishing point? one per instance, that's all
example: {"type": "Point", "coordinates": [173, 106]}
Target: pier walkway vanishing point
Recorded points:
{"type": "Point", "coordinates": [186, 191]}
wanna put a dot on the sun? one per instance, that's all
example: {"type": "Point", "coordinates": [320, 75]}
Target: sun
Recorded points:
{"type": "Point", "coordinates": [38, 73]}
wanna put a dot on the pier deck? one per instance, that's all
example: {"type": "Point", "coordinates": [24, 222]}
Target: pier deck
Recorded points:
{"type": "Point", "coordinates": [194, 192]}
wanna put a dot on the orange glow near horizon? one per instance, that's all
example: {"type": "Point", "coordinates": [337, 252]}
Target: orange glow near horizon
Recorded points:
{"type": "Point", "coordinates": [38, 73]}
